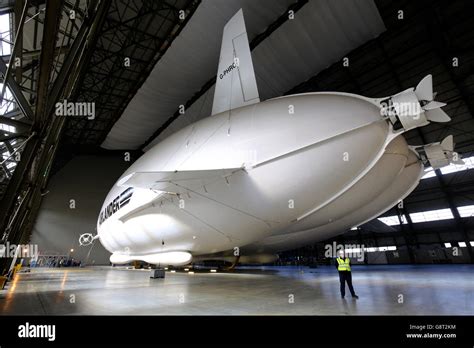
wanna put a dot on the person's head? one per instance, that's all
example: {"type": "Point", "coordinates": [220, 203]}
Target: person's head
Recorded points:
{"type": "Point", "coordinates": [341, 254]}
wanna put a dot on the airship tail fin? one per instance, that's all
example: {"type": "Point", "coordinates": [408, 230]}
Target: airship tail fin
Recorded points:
{"type": "Point", "coordinates": [236, 85]}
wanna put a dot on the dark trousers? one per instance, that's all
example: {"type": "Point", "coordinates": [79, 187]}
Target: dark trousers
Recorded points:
{"type": "Point", "coordinates": [346, 277]}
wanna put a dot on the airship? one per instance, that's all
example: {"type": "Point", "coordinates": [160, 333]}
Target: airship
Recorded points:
{"type": "Point", "coordinates": [259, 177]}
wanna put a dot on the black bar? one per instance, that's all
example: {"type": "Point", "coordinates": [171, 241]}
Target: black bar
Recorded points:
{"type": "Point", "coordinates": [240, 330]}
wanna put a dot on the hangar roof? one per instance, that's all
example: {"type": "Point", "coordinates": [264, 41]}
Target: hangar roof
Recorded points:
{"type": "Point", "coordinates": [319, 35]}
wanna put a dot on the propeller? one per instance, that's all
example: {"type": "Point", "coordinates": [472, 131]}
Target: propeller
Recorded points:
{"type": "Point", "coordinates": [432, 108]}
{"type": "Point", "coordinates": [448, 148]}
{"type": "Point", "coordinates": [442, 154]}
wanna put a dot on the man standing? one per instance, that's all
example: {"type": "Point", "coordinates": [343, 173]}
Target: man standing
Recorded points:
{"type": "Point", "coordinates": [343, 265]}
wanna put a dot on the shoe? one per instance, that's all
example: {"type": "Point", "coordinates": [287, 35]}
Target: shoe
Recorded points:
{"type": "Point", "coordinates": [356, 297]}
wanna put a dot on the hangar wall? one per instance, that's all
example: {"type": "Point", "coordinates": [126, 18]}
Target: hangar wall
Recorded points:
{"type": "Point", "coordinates": [427, 254]}
{"type": "Point", "coordinates": [86, 180]}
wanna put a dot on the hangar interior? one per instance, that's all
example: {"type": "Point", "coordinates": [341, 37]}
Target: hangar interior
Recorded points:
{"type": "Point", "coordinates": [139, 61]}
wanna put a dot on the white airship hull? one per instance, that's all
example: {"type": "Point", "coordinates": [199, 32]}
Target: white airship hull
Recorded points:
{"type": "Point", "coordinates": [295, 164]}
{"type": "Point", "coordinates": [263, 177]}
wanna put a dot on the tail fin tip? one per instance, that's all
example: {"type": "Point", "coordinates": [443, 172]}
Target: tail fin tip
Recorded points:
{"type": "Point", "coordinates": [236, 84]}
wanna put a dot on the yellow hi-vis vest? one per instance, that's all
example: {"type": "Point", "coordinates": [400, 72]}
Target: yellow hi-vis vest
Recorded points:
{"type": "Point", "coordinates": [343, 265]}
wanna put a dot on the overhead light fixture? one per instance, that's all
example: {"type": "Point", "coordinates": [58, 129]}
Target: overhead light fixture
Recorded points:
{"type": "Point", "coordinates": [462, 244]}
{"type": "Point", "coordinates": [466, 211]}
{"type": "Point", "coordinates": [393, 220]}
{"type": "Point", "coordinates": [447, 245]}
{"type": "Point", "coordinates": [432, 215]}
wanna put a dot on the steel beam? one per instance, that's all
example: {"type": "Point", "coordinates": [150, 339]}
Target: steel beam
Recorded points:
{"type": "Point", "coordinates": [10, 197]}
{"type": "Point", "coordinates": [31, 175]}
{"type": "Point", "coordinates": [9, 147]}
{"type": "Point", "coordinates": [19, 23]}
{"type": "Point", "coordinates": [12, 136]}
{"type": "Point", "coordinates": [65, 72]}
{"type": "Point", "coordinates": [50, 30]}
{"type": "Point", "coordinates": [17, 93]}
{"type": "Point", "coordinates": [406, 234]}
{"type": "Point", "coordinates": [19, 125]}
{"type": "Point", "coordinates": [16, 43]}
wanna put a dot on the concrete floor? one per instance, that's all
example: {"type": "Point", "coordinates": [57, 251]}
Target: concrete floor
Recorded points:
{"type": "Point", "coordinates": [426, 290]}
